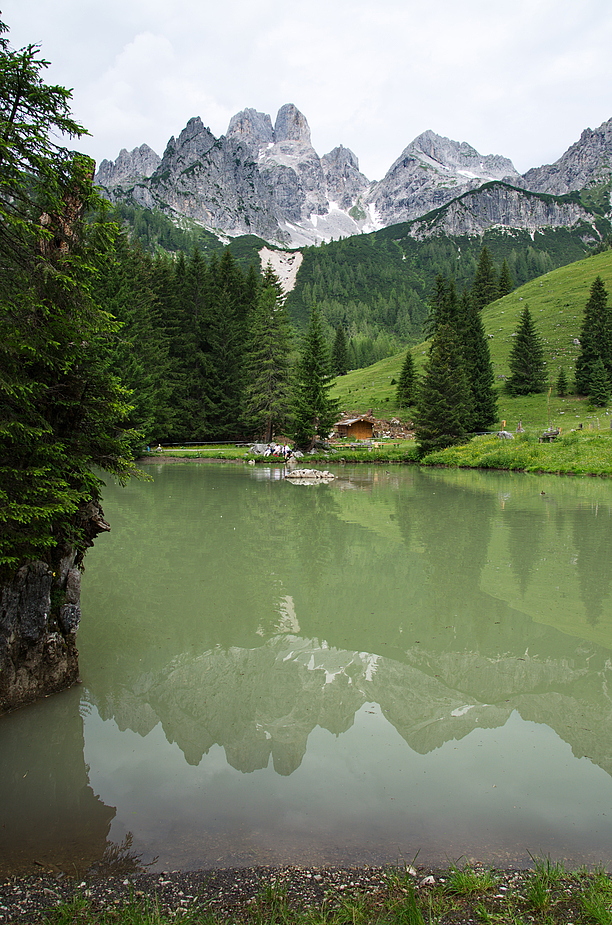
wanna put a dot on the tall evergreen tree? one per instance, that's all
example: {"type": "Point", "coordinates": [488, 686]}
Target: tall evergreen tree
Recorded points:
{"type": "Point", "coordinates": [406, 387]}
{"type": "Point", "coordinates": [485, 287]}
{"type": "Point", "coordinates": [527, 364]}
{"type": "Point", "coordinates": [478, 366]}
{"type": "Point", "coordinates": [268, 391]}
{"type": "Point", "coordinates": [62, 410]}
{"type": "Point", "coordinates": [444, 404]}
{"type": "Point", "coordinates": [505, 284]}
{"type": "Point", "coordinates": [140, 351]}
{"type": "Point", "coordinates": [223, 351]}
{"type": "Point", "coordinates": [315, 412]}
{"type": "Point", "coordinates": [562, 386]}
{"type": "Point", "coordinates": [595, 337]}
{"type": "Point", "coordinates": [599, 386]}
{"type": "Point", "coordinates": [444, 305]}
{"type": "Point", "coordinates": [340, 353]}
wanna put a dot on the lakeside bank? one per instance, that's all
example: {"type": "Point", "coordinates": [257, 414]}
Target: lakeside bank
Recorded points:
{"type": "Point", "coordinates": [460, 894]}
{"type": "Point", "coordinates": [577, 452]}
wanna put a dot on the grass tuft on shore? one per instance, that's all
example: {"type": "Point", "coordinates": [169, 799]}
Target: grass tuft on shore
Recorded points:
{"type": "Point", "coordinates": [548, 894]}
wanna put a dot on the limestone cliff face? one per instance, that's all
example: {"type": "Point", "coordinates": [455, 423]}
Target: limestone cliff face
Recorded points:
{"type": "Point", "coordinates": [307, 190]}
{"type": "Point", "coordinates": [497, 205]}
{"type": "Point", "coordinates": [346, 185]}
{"type": "Point", "coordinates": [39, 618]}
{"type": "Point", "coordinates": [586, 163]}
{"type": "Point", "coordinates": [430, 172]}
{"type": "Point", "coordinates": [257, 179]}
{"type": "Point", "coordinates": [214, 181]}
{"type": "Point", "coordinates": [129, 168]}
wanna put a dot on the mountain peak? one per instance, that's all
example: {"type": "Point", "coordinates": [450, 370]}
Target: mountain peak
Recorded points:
{"type": "Point", "coordinates": [252, 127]}
{"type": "Point", "coordinates": [291, 125]}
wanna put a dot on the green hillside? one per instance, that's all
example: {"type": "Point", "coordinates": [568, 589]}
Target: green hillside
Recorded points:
{"type": "Point", "coordinates": [382, 282]}
{"type": "Point", "coordinates": [556, 301]}
{"type": "Point", "coordinates": [377, 286]}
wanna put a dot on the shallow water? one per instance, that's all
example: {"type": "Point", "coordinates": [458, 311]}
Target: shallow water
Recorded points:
{"type": "Point", "coordinates": [399, 663]}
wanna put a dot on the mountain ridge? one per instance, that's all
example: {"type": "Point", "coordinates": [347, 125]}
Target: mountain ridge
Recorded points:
{"type": "Point", "coordinates": [268, 180]}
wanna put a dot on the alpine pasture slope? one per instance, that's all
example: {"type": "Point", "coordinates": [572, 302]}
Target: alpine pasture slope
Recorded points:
{"type": "Point", "coordinates": [556, 302]}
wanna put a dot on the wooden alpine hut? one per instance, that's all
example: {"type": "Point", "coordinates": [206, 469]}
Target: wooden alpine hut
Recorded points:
{"type": "Point", "coordinates": [358, 428]}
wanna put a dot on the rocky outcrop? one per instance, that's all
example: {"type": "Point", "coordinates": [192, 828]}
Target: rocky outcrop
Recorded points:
{"type": "Point", "coordinates": [257, 179]}
{"type": "Point", "coordinates": [588, 162]}
{"type": "Point", "coordinates": [345, 184]}
{"type": "Point", "coordinates": [129, 168]}
{"type": "Point", "coordinates": [214, 181]}
{"type": "Point", "coordinates": [38, 653]}
{"type": "Point", "coordinates": [39, 618]}
{"type": "Point", "coordinates": [497, 205]}
{"type": "Point", "coordinates": [431, 172]}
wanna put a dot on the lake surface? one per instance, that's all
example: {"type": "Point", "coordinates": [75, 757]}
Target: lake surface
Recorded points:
{"type": "Point", "coordinates": [399, 663]}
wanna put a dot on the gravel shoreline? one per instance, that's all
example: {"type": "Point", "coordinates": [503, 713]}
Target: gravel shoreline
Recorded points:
{"type": "Point", "coordinates": [223, 892]}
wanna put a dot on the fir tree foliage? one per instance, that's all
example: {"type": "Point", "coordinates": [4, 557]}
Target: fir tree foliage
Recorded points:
{"type": "Point", "coordinates": [505, 284]}
{"type": "Point", "coordinates": [444, 306]}
{"type": "Point", "coordinates": [485, 288]}
{"type": "Point", "coordinates": [62, 409]}
{"type": "Point", "coordinates": [340, 353]}
{"type": "Point", "coordinates": [315, 412]}
{"type": "Point", "coordinates": [562, 385]}
{"type": "Point", "coordinates": [268, 389]}
{"type": "Point", "coordinates": [599, 386]}
{"type": "Point", "coordinates": [595, 338]}
{"type": "Point", "coordinates": [527, 364]}
{"type": "Point", "coordinates": [406, 387]}
{"type": "Point", "coordinates": [444, 406]}
{"type": "Point", "coordinates": [478, 366]}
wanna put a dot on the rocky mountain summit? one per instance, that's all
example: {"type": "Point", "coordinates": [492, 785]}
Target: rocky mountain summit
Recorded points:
{"type": "Point", "coordinates": [586, 163]}
{"type": "Point", "coordinates": [256, 179]}
{"type": "Point", "coordinates": [129, 168]}
{"type": "Point", "coordinates": [268, 180]}
{"type": "Point", "coordinates": [431, 172]}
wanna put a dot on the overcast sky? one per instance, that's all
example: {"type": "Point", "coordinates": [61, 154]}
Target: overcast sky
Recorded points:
{"type": "Point", "coordinates": [520, 78]}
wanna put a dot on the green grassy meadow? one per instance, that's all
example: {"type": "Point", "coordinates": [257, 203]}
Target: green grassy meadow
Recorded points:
{"type": "Point", "coordinates": [556, 302]}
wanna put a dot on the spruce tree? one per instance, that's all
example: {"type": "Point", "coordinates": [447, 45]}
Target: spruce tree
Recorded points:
{"type": "Point", "coordinates": [599, 385]}
{"type": "Point", "coordinates": [505, 283]}
{"type": "Point", "coordinates": [62, 410]}
{"type": "Point", "coordinates": [268, 389]}
{"type": "Point", "coordinates": [444, 405]}
{"type": "Point", "coordinates": [562, 386]}
{"type": "Point", "coordinates": [315, 412]}
{"type": "Point", "coordinates": [140, 350]}
{"type": "Point", "coordinates": [527, 364]}
{"type": "Point", "coordinates": [478, 366]}
{"type": "Point", "coordinates": [406, 386]}
{"type": "Point", "coordinates": [444, 305]}
{"type": "Point", "coordinates": [340, 353]}
{"type": "Point", "coordinates": [595, 337]}
{"type": "Point", "coordinates": [485, 287]}
{"type": "Point", "coordinates": [222, 346]}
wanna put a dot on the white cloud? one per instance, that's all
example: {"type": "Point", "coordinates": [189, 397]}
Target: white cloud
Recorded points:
{"type": "Point", "coordinates": [521, 80]}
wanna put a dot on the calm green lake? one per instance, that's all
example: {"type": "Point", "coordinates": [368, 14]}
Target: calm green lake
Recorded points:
{"type": "Point", "coordinates": [398, 663]}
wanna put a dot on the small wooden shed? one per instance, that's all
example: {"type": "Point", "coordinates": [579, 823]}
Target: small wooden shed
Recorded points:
{"type": "Point", "coordinates": [360, 428]}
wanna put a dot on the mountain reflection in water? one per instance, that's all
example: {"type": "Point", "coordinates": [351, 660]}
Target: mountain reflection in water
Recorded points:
{"type": "Point", "coordinates": [328, 636]}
